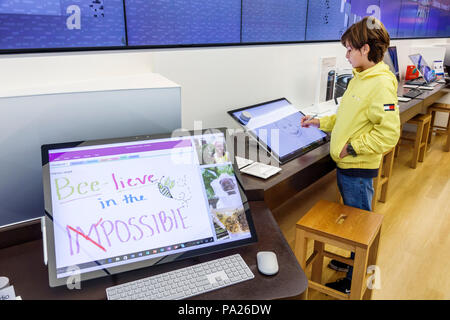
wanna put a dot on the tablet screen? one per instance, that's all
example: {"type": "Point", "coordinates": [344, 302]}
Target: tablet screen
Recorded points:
{"type": "Point", "coordinates": [427, 73]}
{"type": "Point", "coordinates": [276, 124]}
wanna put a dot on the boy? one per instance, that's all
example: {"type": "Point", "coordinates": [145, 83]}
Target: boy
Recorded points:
{"type": "Point", "coordinates": [367, 123]}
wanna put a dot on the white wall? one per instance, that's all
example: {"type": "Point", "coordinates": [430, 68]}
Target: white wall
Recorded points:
{"type": "Point", "coordinates": [213, 80]}
{"type": "Point", "coordinates": [37, 70]}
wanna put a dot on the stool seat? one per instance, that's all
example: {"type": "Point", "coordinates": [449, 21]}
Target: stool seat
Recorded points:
{"type": "Point", "coordinates": [353, 226]}
{"type": "Point", "coordinates": [419, 119]}
{"type": "Point", "coordinates": [440, 107]}
{"type": "Point", "coordinates": [346, 228]}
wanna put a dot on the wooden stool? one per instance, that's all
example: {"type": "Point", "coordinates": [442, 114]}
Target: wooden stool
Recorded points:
{"type": "Point", "coordinates": [382, 181]}
{"type": "Point", "coordinates": [344, 227]}
{"type": "Point", "coordinates": [422, 121]}
{"type": "Point", "coordinates": [397, 147]}
{"type": "Point", "coordinates": [440, 107]}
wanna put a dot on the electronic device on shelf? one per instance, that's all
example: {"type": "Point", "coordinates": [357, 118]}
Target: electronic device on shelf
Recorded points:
{"type": "Point", "coordinates": [416, 82]}
{"type": "Point", "coordinates": [428, 74]}
{"type": "Point", "coordinates": [120, 204]}
{"type": "Point", "coordinates": [276, 126]}
{"type": "Point", "coordinates": [413, 93]}
{"type": "Point", "coordinates": [391, 59]}
{"type": "Point", "coordinates": [185, 282]}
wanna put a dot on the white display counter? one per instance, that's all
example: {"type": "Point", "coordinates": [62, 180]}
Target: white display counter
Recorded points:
{"type": "Point", "coordinates": [65, 111]}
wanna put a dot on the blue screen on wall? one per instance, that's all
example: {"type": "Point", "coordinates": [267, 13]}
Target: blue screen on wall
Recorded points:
{"type": "Point", "coordinates": [326, 20]}
{"type": "Point", "coordinates": [26, 24]}
{"type": "Point", "coordinates": [85, 24]}
{"type": "Point", "coordinates": [273, 20]}
{"type": "Point", "coordinates": [390, 12]}
{"type": "Point", "coordinates": [162, 22]}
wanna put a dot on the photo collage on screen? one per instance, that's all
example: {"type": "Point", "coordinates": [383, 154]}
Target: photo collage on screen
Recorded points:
{"type": "Point", "coordinates": [224, 200]}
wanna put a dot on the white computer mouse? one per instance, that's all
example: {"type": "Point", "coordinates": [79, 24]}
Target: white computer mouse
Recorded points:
{"type": "Point", "coordinates": [267, 262]}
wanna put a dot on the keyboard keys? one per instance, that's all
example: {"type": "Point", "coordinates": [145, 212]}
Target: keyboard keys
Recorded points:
{"type": "Point", "coordinates": [186, 282]}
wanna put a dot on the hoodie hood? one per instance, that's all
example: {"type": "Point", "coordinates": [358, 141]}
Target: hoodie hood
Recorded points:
{"type": "Point", "coordinates": [379, 69]}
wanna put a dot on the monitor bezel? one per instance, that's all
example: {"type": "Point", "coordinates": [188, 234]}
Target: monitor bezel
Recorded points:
{"type": "Point", "coordinates": [281, 160]}
{"type": "Point", "coordinates": [396, 72]}
{"type": "Point", "coordinates": [54, 281]}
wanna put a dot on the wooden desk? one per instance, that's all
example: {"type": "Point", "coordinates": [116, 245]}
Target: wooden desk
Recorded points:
{"type": "Point", "coordinates": [420, 104]}
{"type": "Point", "coordinates": [409, 109]}
{"type": "Point", "coordinates": [295, 175]}
{"type": "Point", "coordinates": [23, 265]}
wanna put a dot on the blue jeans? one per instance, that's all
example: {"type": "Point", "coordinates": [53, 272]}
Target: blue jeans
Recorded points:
{"type": "Point", "coordinates": [356, 192]}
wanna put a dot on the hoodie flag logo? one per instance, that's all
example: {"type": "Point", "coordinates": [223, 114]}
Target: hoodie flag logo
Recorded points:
{"type": "Point", "coordinates": [389, 107]}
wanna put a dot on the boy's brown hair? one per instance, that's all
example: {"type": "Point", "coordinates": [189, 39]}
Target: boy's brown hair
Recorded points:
{"type": "Point", "coordinates": [371, 31]}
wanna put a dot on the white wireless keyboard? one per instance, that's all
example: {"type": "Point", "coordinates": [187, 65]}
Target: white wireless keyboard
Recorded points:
{"type": "Point", "coordinates": [185, 282]}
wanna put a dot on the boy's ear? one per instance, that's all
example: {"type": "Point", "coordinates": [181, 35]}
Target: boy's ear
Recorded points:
{"type": "Point", "coordinates": [366, 49]}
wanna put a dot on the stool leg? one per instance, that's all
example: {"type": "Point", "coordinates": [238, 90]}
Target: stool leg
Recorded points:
{"type": "Point", "coordinates": [359, 274]}
{"type": "Point", "coordinates": [416, 150]}
{"type": "Point", "coordinates": [372, 261]}
{"type": "Point", "coordinates": [387, 173]}
{"type": "Point", "coordinates": [301, 246]}
{"type": "Point", "coordinates": [430, 134]}
{"type": "Point", "coordinates": [424, 141]}
{"type": "Point", "coordinates": [317, 266]}
{"type": "Point", "coordinates": [376, 186]}
{"type": "Point", "coordinates": [340, 200]}
{"type": "Point", "coordinates": [397, 147]}
{"type": "Point", "coordinates": [447, 145]}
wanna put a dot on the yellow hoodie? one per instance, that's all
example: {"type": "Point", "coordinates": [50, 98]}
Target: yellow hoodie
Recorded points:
{"type": "Point", "coordinates": [368, 118]}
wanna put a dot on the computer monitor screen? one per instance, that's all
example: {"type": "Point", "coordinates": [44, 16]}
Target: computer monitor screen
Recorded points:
{"type": "Point", "coordinates": [391, 59]}
{"type": "Point", "coordinates": [427, 73]}
{"type": "Point", "coordinates": [447, 58]}
{"type": "Point", "coordinates": [276, 126]}
{"type": "Point", "coordinates": [122, 204]}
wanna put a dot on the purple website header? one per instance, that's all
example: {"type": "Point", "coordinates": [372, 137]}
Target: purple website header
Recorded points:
{"type": "Point", "coordinates": [91, 153]}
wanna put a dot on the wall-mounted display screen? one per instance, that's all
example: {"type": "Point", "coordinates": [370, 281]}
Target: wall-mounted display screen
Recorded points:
{"type": "Point", "coordinates": [268, 21]}
{"type": "Point", "coordinates": [45, 25]}
{"type": "Point", "coordinates": [42, 24]}
{"type": "Point", "coordinates": [162, 22]}
{"type": "Point", "coordinates": [326, 20]}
